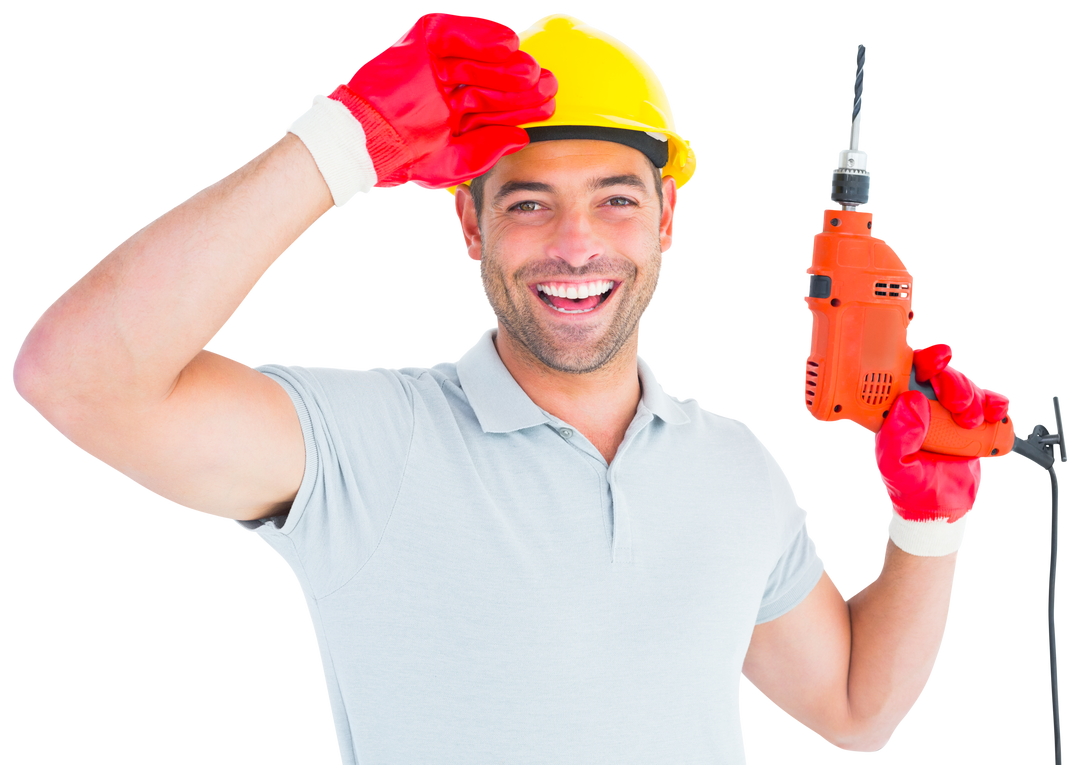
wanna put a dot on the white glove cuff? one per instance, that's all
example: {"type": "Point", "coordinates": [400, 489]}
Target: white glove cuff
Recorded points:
{"type": "Point", "coordinates": [337, 142]}
{"type": "Point", "coordinates": [927, 538]}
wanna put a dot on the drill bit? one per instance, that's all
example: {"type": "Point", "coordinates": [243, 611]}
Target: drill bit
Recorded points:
{"type": "Point", "coordinates": [860, 61]}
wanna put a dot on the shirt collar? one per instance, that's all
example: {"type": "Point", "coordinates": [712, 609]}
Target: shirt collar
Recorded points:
{"type": "Point", "coordinates": [502, 406]}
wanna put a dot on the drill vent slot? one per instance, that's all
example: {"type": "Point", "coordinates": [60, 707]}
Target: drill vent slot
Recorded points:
{"type": "Point", "coordinates": [811, 381]}
{"type": "Point", "coordinates": [876, 388]}
{"type": "Point", "coordinates": [890, 289]}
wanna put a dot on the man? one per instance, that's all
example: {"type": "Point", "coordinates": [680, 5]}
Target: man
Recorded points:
{"type": "Point", "coordinates": [532, 554]}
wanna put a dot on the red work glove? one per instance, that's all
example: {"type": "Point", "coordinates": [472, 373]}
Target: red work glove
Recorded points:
{"type": "Point", "coordinates": [931, 493]}
{"type": "Point", "coordinates": [440, 105]}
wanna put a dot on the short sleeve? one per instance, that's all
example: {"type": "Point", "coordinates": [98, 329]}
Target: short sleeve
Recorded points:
{"type": "Point", "coordinates": [800, 564]}
{"type": "Point", "coordinates": [357, 430]}
{"type": "Point", "coordinates": [795, 575]}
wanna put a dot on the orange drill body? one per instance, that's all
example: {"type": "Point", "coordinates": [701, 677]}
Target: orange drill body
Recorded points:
{"type": "Point", "coordinates": [860, 360]}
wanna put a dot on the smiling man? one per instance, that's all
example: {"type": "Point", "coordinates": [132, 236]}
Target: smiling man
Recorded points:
{"type": "Point", "coordinates": [570, 248]}
{"type": "Point", "coordinates": [533, 554]}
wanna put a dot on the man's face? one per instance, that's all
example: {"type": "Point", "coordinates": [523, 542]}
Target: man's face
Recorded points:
{"type": "Point", "coordinates": [572, 235]}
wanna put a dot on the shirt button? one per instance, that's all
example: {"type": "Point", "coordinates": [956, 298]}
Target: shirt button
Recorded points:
{"type": "Point", "coordinates": [565, 432]}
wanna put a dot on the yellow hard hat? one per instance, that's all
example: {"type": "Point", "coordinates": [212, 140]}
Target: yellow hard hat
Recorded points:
{"type": "Point", "coordinates": [606, 92]}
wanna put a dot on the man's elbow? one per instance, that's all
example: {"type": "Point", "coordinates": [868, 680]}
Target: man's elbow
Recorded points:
{"type": "Point", "coordinates": [861, 738]}
{"type": "Point", "coordinates": [861, 749]}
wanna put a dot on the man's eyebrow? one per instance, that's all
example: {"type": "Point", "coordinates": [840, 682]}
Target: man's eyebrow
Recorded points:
{"type": "Point", "coordinates": [594, 185]}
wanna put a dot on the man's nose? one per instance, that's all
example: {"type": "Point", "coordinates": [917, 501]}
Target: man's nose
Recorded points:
{"type": "Point", "coordinates": [576, 241]}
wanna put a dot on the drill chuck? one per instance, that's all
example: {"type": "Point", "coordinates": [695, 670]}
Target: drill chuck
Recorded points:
{"type": "Point", "coordinates": [850, 187]}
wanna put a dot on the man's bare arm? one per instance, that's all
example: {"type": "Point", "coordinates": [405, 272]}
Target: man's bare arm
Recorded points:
{"type": "Point", "coordinates": [897, 624]}
{"type": "Point", "coordinates": [117, 363]}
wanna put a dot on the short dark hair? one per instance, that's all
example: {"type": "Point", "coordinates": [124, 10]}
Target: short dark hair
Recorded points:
{"type": "Point", "coordinates": [476, 188]}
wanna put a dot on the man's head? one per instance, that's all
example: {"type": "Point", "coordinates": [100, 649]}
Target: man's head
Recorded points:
{"type": "Point", "coordinates": [569, 234]}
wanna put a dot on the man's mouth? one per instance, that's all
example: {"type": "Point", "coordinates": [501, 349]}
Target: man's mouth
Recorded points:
{"type": "Point", "coordinates": [558, 297]}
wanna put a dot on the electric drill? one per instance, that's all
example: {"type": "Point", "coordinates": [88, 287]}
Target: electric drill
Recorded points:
{"type": "Point", "coordinates": [860, 297]}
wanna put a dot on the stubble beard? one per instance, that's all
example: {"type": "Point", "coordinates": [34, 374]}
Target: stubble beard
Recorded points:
{"type": "Point", "coordinates": [581, 347]}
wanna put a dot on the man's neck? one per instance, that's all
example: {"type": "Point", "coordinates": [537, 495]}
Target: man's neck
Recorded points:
{"type": "Point", "coordinates": [598, 405]}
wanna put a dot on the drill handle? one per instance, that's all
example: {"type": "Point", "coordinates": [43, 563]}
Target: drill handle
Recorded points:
{"type": "Point", "coordinates": [990, 439]}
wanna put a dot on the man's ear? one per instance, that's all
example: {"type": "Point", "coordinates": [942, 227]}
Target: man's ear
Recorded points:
{"type": "Point", "coordinates": [667, 215]}
{"type": "Point", "coordinates": [470, 224]}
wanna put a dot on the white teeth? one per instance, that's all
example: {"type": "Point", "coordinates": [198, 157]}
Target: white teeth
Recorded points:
{"type": "Point", "coordinates": [576, 292]}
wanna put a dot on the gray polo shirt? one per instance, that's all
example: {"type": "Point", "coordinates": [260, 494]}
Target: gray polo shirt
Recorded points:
{"type": "Point", "coordinates": [487, 589]}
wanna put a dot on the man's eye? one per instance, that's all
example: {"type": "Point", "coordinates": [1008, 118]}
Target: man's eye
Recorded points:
{"type": "Point", "coordinates": [526, 206]}
{"type": "Point", "coordinates": [621, 202]}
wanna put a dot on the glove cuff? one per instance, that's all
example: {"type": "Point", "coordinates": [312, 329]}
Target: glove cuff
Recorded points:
{"type": "Point", "coordinates": [389, 153]}
{"type": "Point", "coordinates": [338, 144]}
{"type": "Point", "coordinates": [927, 538]}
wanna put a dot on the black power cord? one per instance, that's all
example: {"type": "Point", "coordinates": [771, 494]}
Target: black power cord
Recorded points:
{"type": "Point", "coordinates": [1045, 451]}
